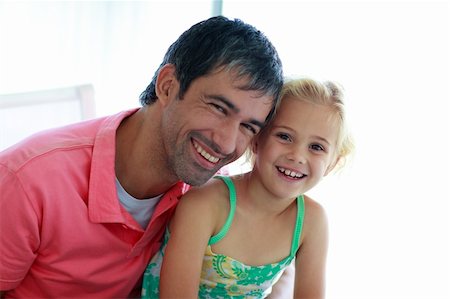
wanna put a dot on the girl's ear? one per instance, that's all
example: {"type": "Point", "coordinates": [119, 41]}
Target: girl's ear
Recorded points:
{"type": "Point", "coordinates": [332, 165]}
{"type": "Point", "coordinates": [258, 139]}
{"type": "Point", "coordinates": [166, 83]}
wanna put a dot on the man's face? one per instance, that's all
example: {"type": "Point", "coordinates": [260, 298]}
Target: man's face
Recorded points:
{"type": "Point", "coordinates": [211, 125]}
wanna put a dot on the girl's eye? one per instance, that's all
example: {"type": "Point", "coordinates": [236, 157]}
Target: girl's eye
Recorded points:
{"type": "Point", "coordinates": [317, 147]}
{"type": "Point", "coordinates": [284, 136]}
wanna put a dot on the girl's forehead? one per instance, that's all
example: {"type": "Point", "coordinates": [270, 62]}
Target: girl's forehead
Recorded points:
{"type": "Point", "coordinates": [292, 108]}
{"type": "Point", "coordinates": [306, 117]}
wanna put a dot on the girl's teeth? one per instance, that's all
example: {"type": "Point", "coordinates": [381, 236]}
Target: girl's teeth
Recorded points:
{"type": "Point", "coordinates": [290, 173]}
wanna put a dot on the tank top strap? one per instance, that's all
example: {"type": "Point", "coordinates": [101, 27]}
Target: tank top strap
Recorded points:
{"type": "Point", "coordinates": [298, 225]}
{"type": "Point", "coordinates": [224, 230]}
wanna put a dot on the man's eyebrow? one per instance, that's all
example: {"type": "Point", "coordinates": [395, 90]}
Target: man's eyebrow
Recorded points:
{"type": "Point", "coordinates": [258, 123]}
{"type": "Point", "coordinates": [224, 100]}
{"type": "Point", "coordinates": [231, 106]}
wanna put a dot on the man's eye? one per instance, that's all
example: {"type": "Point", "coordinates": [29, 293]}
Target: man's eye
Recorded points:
{"type": "Point", "coordinates": [284, 136]}
{"type": "Point", "coordinates": [317, 147]}
{"type": "Point", "coordinates": [250, 128]}
{"type": "Point", "coordinates": [218, 108]}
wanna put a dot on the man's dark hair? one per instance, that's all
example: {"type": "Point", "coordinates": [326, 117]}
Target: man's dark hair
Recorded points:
{"type": "Point", "coordinates": [221, 42]}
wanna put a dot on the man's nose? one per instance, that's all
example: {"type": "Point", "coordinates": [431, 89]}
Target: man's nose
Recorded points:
{"type": "Point", "coordinates": [226, 137]}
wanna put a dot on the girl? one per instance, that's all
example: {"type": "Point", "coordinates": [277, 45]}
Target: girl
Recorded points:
{"type": "Point", "coordinates": [234, 236]}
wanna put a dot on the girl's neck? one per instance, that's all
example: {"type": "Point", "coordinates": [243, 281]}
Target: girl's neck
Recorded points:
{"type": "Point", "coordinates": [254, 196]}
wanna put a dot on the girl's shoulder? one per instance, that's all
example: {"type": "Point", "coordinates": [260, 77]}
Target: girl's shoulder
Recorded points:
{"type": "Point", "coordinates": [212, 191]}
{"type": "Point", "coordinates": [313, 207]}
{"type": "Point", "coordinates": [315, 219]}
{"type": "Point", "coordinates": [210, 200]}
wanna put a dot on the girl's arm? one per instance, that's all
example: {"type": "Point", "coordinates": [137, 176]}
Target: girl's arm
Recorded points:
{"type": "Point", "coordinates": [311, 257]}
{"type": "Point", "coordinates": [190, 230]}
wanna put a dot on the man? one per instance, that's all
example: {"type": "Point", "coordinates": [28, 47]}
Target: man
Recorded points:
{"type": "Point", "coordinates": [83, 207]}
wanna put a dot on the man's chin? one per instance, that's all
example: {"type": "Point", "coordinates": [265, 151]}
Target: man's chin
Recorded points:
{"type": "Point", "coordinates": [196, 179]}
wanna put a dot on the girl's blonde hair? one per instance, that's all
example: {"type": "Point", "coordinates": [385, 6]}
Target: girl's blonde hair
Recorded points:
{"type": "Point", "coordinates": [329, 94]}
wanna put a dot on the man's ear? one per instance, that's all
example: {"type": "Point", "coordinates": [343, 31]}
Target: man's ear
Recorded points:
{"type": "Point", "coordinates": [166, 83]}
{"type": "Point", "coordinates": [254, 145]}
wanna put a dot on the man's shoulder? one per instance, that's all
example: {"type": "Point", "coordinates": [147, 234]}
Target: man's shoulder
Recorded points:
{"type": "Point", "coordinates": [50, 142]}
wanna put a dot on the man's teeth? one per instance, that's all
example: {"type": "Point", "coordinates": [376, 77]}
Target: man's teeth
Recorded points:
{"type": "Point", "coordinates": [205, 155]}
{"type": "Point", "coordinates": [290, 173]}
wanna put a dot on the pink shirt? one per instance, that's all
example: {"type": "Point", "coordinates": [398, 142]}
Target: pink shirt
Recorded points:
{"type": "Point", "coordinates": [63, 232]}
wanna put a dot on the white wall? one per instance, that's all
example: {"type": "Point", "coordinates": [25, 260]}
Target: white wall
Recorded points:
{"type": "Point", "coordinates": [389, 210]}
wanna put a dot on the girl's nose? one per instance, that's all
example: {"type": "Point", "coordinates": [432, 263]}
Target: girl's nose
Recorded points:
{"type": "Point", "coordinates": [297, 155]}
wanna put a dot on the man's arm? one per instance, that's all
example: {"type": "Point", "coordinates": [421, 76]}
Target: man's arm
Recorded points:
{"type": "Point", "coordinates": [19, 237]}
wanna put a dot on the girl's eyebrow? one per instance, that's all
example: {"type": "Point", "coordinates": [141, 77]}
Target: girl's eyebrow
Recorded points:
{"type": "Point", "coordinates": [233, 108]}
{"type": "Point", "coordinates": [321, 139]}
{"type": "Point", "coordinates": [290, 129]}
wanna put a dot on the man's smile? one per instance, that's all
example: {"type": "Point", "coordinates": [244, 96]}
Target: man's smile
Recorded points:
{"type": "Point", "coordinates": [205, 154]}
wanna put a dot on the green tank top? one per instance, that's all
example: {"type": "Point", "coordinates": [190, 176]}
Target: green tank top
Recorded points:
{"type": "Point", "coordinates": [222, 276]}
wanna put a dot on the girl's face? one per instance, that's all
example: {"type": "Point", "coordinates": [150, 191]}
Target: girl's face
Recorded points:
{"type": "Point", "coordinates": [298, 149]}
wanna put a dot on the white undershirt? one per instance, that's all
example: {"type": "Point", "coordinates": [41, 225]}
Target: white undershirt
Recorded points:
{"type": "Point", "coordinates": [141, 209]}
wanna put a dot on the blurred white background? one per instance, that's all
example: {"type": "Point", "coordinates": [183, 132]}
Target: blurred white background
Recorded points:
{"type": "Point", "coordinates": [389, 209]}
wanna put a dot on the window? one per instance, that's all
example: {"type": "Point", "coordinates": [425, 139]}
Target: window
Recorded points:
{"type": "Point", "coordinates": [22, 114]}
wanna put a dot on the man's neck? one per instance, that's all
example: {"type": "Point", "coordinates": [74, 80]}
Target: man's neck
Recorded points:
{"type": "Point", "coordinates": [140, 164]}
